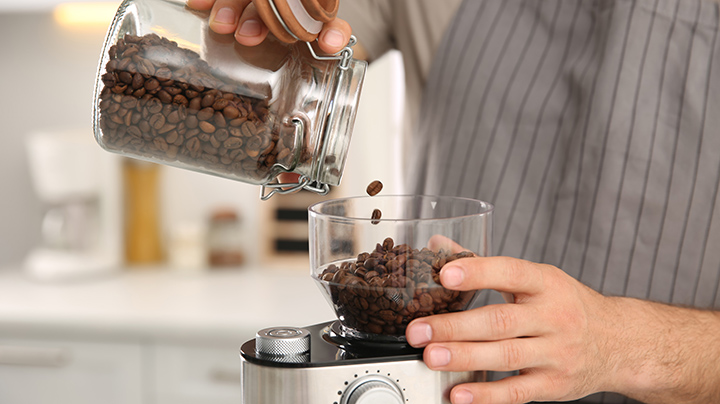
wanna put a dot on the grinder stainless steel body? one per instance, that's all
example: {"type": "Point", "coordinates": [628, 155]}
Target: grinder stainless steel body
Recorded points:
{"type": "Point", "coordinates": [377, 261]}
{"type": "Point", "coordinates": [328, 370]}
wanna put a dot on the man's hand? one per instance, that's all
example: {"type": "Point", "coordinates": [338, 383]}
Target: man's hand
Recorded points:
{"type": "Point", "coordinates": [241, 18]}
{"type": "Point", "coordinates": [567, 340]}
{"type": "Point", "coordinates": [554, 333]}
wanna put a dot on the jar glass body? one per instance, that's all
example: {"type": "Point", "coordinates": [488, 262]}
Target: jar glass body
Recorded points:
{"type": "Point", "coordinates": [171, 91]}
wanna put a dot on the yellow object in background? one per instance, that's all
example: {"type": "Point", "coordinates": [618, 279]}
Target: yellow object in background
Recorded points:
{"type": "Point", "coordinates": [143, 244]}
{"type": "Point", "coordinates": [81, 15]}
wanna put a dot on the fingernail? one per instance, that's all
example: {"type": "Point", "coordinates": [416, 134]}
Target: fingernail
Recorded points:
{"type": "Point", "coordinates": [334, 38]}
{"type": "Point", "coordinates": [438, 357]}
{"type": "Point", "coordinates": [419, 334]}
{"type": "Point", "coordinates": [452, 276]}
{"type": "Point", "coordinates": [225, 15]}
{"type": "Point", "coordinates": [462, 397]}
{"type": "Point", "coordinates": [250, 28]}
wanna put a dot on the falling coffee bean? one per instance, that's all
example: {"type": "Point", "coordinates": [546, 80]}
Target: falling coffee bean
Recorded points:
{"type": "Point", "coordinates": [374, 188]}
{"type": "Point", "coordinates": [376, 215]}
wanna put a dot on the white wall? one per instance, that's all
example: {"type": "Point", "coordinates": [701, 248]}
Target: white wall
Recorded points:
{"type": "Point", "coordinates": [46, 77]}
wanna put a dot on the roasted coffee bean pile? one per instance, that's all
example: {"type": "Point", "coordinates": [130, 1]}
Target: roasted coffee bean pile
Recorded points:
{"type": "Point", "coordinates": [164, 102]}
{"type": "Point", "coordinates": [383, 290]}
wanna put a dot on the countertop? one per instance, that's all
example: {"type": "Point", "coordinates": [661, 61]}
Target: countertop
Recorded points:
{"type": "Point", "coordinates": [161, 304]}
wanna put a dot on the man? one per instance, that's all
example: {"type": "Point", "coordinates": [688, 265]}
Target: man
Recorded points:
{"type": "Point", "coordinates": [592, 127]}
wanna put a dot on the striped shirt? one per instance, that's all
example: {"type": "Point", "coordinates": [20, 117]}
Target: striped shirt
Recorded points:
{"type": "Point", "coordinates": [593, 126]}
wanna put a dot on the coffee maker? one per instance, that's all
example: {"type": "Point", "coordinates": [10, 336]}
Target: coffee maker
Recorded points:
{"type": "Point", "coordinates": [376, 260]}
{"type": "Point", "coordinates": [79, 187]}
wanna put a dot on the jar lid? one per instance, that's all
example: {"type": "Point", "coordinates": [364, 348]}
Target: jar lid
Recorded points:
{"type": "Point", "coordinates": [293, 20]}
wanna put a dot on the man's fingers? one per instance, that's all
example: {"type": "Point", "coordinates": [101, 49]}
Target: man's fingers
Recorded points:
{"type": "Point", "coordinates": [225, 15]}
{"type": "Point", "coordinates": [503, 274]}
{"type": "Point", "coordinates": [500, 356]}
{"type": "Point", "coordinates": [487, 323]}
{"type": "Point", "coordinates": [334, 36]}
{"type": "Point", "coordinates": [510, 390]}
{"type": "Point", "coordinates": [251, 29]}
{"type": "Point", "coordinates": [242, 18]}
{"type": "Point", "coordinates": [438, 242]}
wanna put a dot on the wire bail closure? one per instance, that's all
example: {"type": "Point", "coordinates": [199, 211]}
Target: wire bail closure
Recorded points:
{"type": "Point", "coordinates": [344, 56]}
{"type": "Point", "coordinates": [288, 188]}
{"type": "Point", "coordinates": [303, 182]}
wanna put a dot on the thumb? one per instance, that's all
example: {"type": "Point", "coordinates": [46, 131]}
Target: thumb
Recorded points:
{"type": "Point", "coordinates": [334, 36]}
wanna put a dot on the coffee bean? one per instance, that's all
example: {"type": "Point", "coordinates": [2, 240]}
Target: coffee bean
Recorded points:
{"type": "Point", "coordinates": [374, 188]}
{"type": "Point", "coordinates": [151, 84]}
{"type": "Point", "coordinates": [160, 143]}
{"type": "Point", "coordinates": [193, 145]}
{"type": "Point", "coordinates": [219, 119]}
{"type": "Point", "coordinates": [388, 244]}
{"type": "Point", "coordinates": [205, 114]}
{"type": "Point", "coordinates": [180, 99]}
{"type": "Point", "coordinates": [137, 81]}
{"type": "Point", "coordinates": [231, 112]}
{"type": "Point", "coordinates": [164, 97]}
{"type": "Point", "coordinates": [195, 103]}
{"type": "Point", "coordinates": [134, 131]}
{"type": "Point", "coordinates": [207, 100]}
{"type": "Point", "coordinates": [172, 137]}
{"type": "Point", "coordinates": [125, 77]}
{"type": "Point", "coordinates": [376, 215]}
{"type": "Point", "coordinates": [154, 106]}
{"type": "Point", "coordinates": [157, 121]}
{"type": "Point", "coordinates": [232, 143]}
{"type": "Point", "coordinates": [206, 127]}
{"type": "Point", "coordinates": [220, 104]}
{"type": "Point", "coordinates": [109, 79]}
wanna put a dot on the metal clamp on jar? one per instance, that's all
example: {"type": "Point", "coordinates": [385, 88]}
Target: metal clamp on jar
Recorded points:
{"type": "Point", "coordinates": [171, 91]}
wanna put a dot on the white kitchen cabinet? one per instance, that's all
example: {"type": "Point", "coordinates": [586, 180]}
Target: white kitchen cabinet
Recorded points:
{"type": "Point", "coordinates": [37, 371]}
{"type": "Point", "coordinates": [141, 337]}
{"type": "Point", "coordinates": [187, 374]}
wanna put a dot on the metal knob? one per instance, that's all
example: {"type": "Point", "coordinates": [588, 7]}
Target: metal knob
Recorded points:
{"type": "Point", "coordinates": [283, 344]}
{"type": "Point", "coordinates": [373, 390]}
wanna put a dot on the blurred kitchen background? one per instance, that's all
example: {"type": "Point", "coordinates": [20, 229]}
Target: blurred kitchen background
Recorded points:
{"type": "Point", "coordinates": [97, 305]}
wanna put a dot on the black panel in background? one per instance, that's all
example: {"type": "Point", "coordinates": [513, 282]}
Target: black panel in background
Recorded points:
{"type": "Point", "coordinates": [292, 214]}
{"type": "Point", "coordinates": [292, 245]}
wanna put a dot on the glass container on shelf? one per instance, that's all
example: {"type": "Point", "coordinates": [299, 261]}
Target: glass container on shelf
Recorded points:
{"type": "Point", "coordinates": [224, 242]}
{"type": "Point", "coordinates": [171, 91]}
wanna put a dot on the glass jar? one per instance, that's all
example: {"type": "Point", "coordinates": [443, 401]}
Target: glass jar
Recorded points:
{"type": "Point", "coordinates": [171, 91]}
{"type": "Point", "coordinates": [224, 242]}
{"type": "Point", "coordinates": [377, 259]}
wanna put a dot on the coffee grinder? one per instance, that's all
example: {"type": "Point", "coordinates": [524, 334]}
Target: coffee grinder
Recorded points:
{"type": "Point", "coordinates": [376, 260]}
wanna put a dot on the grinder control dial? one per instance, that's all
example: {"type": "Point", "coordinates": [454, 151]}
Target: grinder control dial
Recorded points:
{"type": "Point", "coordinates": [373, 390]}
{"type": "Point", "coordinates": [283, 344]}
